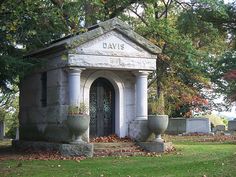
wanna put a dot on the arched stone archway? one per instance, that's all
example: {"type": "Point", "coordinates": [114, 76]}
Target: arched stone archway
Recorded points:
{"type": "Point", "coordinates": [117, 83]}
{"type": "Point", "coordinates": [102, 108]}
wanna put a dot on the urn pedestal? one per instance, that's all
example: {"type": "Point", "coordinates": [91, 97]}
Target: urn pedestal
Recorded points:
{"type": "Point", "coordinates": [78, 124]}
{"type": "Point", "coordinates": [158, 124]}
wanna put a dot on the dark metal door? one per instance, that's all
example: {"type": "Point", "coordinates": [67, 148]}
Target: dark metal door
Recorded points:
{"type": "Point", "coordinates": [102, 108]}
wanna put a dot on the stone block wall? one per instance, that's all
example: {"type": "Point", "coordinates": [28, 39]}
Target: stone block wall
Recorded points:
{"type": "Point", "coordinates": [45, 123]}
{"type": "Point", "coordinates": [138, 130]}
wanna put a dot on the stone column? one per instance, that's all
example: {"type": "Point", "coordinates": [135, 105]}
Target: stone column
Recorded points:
{"type": "Point", "coordinates": [141, 95]}
{"type": "Point", "coordinates": [74, 85]}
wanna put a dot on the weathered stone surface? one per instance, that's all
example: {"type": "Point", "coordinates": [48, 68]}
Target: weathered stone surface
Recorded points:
{"type": "Point", "coordinates": [232, 125]}
{"type": "Point", "coordinates": [112, 43]}
{"type": "Point", "coordinates": [30, 93]}
{"type": "Point", "coordinates": [38, 115]}
{"type": "Point", "coordinates": [34, 145]}
{"type": "Point", "coordinates": [30, 98]}
{"type": "Point", "coordinates": [82, 149]}
{"type": "Point", "coordinates": [34, 115]}
{"type": "Point", "coordinates": [57, 133]}
{"type": "Point", "coordinates": [111, 62]}
{"type": "Point", "coordinates": [45, 132]}
{"type": "Point", "coordinates": [57, 114]}
{"type": "Point", "coordinates": [138, 130]}
{"type": "Point", "coordinates": [56, 78]}
{"type": "Point", "coordinates": [156, 146]}
{"type": "Point", "coordinates": [176, 125]}
{"type": "Point", "coordinates": [31, 132]}
{"type": "Point", "coordinates": [57, 95]}
{"type": "Point", "coordinates": [198, 125]}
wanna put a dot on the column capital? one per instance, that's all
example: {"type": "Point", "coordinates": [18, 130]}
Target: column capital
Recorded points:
{"type": "Point", "coordinates": [141, 73]}
{"type": "Point", "coordinates": [74, 69]}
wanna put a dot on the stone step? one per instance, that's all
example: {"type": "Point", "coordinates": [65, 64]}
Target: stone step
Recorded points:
{"type": "Point", "coordinates": [117, 149]}
{"type": "Point", "coordinates": [118, 144]}
{"type": "Point", "coordinates": [99, 154]}
{"type": "Point", "coordinates": [124, 147]}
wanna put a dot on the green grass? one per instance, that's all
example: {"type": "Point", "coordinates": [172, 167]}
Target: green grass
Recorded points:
{"type": "Point", "coordinates": [191, 159]}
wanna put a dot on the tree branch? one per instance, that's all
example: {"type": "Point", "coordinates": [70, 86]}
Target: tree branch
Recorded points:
{"type": "Point", "coordinates": [139, 16]}
{"type": "Point", "coordinates": [122, 8]}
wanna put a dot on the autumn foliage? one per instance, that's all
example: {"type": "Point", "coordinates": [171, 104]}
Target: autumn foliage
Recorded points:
{"type": "Point", "coordinates": [231, 75]}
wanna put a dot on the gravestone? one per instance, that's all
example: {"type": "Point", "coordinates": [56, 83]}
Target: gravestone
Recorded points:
{"type": "Point", "coordinates": [198, 125]}
{"type": "Point", "coordinates": [232, 125]}
{"type": "Point", "coordinates": [2, 130]}
{"type": "Point", "coordinates": [219, 128]}
{"type": "Point", "coordinates": [17, 134]}
{"type": "Point", "coordinates": [176, 125]}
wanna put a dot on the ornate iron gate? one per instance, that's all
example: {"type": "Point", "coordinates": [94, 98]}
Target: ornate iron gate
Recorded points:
{"type": "Point", "coordinates": [102, 108]}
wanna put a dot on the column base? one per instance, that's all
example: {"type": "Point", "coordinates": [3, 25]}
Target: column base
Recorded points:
{"type": "Point", "coordinates": [156, 146]}
{"type": "Point", "coordinates": [138, 130]}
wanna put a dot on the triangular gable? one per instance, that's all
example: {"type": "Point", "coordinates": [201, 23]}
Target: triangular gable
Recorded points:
{"type": "Point", "coordinates": [96, 31]}
{"type": "Point", "coordinates": [112, 43]}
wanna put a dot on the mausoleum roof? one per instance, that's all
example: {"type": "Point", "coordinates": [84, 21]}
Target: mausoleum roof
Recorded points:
{"type": "Point", "coordinates": [95, 31]}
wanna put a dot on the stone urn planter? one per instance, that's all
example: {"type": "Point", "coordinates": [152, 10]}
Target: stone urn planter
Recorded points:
{"type": "Point", "coordinates": [158, 124]}
{"type": "Point", "coordinates": [77, 122]}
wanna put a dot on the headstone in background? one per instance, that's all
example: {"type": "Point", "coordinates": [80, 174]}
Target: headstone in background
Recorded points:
{"type": "Point", "coordinates": [219, 128]}
{"type": "Point", "coordinates": [176, 125]}
{"type": "Point", "coordinates": [17, 133]}
{"type": "Point", "coordinates": [232, 125]}
{"type": "Point", "coordinates": [2, 130]}
{"type": "Point", "coordinates": [198, 125]}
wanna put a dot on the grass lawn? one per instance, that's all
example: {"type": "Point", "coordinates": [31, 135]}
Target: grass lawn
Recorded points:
{"type": "Point", "coordinates": [190, 159]}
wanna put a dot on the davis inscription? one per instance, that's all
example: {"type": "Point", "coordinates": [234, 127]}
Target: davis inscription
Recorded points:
{"type": "Point", "coordinates": [113, 46]}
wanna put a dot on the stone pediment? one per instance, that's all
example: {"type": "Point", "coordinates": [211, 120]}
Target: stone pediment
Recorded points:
{"type": "Point", "coordinates": [112, 43]}
{"type": "Point", "coordinates": [112, 36]}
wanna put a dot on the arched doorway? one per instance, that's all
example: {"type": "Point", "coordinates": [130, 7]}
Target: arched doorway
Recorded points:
{"type": "Point", "coordinates": [102, 108]}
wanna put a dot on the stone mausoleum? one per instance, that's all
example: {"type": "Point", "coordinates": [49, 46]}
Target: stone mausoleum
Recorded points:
{"type": "Point", "coordinates": [106, 68]}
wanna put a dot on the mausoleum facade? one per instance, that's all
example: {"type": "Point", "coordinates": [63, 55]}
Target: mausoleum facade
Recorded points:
{"type": "Point", "coordinates": [105, 68]}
